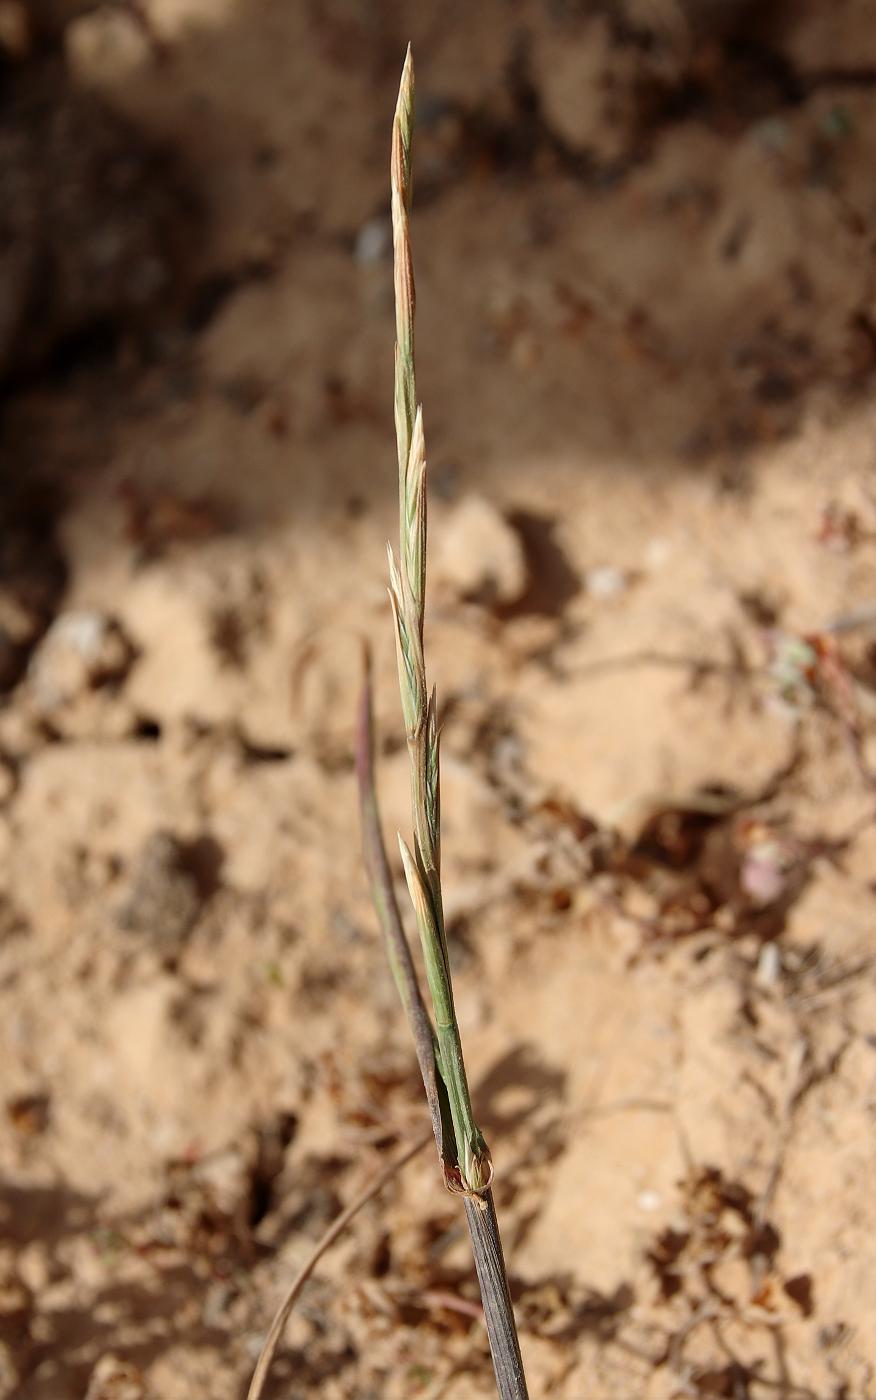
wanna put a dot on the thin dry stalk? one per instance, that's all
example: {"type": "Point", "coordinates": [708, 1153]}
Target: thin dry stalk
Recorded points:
{"type": "Point", "coordinates": [337, 1227]}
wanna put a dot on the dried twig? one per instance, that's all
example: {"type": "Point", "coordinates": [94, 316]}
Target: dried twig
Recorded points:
{"type": "Point", "coordinates": [337, 1227]}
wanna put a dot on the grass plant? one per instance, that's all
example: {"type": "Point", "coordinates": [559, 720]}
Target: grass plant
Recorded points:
{"type": "Point", "coordinates": [465, 1160]}
{"type": "Point", "coordinates": [463, 1153]}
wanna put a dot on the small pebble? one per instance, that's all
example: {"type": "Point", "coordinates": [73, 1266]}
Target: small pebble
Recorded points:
{"type": "Point", "coordinates": [769, 965]}
{"type": "Point", "coordinates": [81, 650]}
{"type": "Point", "coordinates": [606, 582]}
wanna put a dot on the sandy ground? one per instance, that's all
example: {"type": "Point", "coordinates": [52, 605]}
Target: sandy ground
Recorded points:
{"type": "Point", "coordinates": [647, 343]}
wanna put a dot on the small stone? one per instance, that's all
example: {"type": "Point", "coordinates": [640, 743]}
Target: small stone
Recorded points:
{"type": "Point", "coordinates": [606, 582]}
{"type": "Point", "coordinates": [81, 651]}
{"type": "Point", "coordinates": [479, 556]}
{"type": "Point", "coordinates": [767, 868]}
{"type": "Point", "coordinates": [769, 965]}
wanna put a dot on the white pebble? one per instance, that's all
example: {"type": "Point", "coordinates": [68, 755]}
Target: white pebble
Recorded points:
{"type": "Point", "coordinates": [769, 965]}
{"type": "Point", "coordinates": [606, 582]}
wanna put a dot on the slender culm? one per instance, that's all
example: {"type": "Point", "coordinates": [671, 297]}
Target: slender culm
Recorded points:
{"type": "Point", "coordinates": [465, 1158]}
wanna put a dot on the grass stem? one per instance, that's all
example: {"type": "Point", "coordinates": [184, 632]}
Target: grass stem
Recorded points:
{"type": "Point", "coordinates": [465, 1157]}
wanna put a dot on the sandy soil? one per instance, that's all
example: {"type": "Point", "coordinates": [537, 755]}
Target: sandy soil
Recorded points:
{"type": "Point", "coordinates": [647, 340]}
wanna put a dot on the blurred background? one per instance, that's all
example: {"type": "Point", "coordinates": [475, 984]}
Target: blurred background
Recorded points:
{"type": "Point", "coordinates": [644, 249]}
